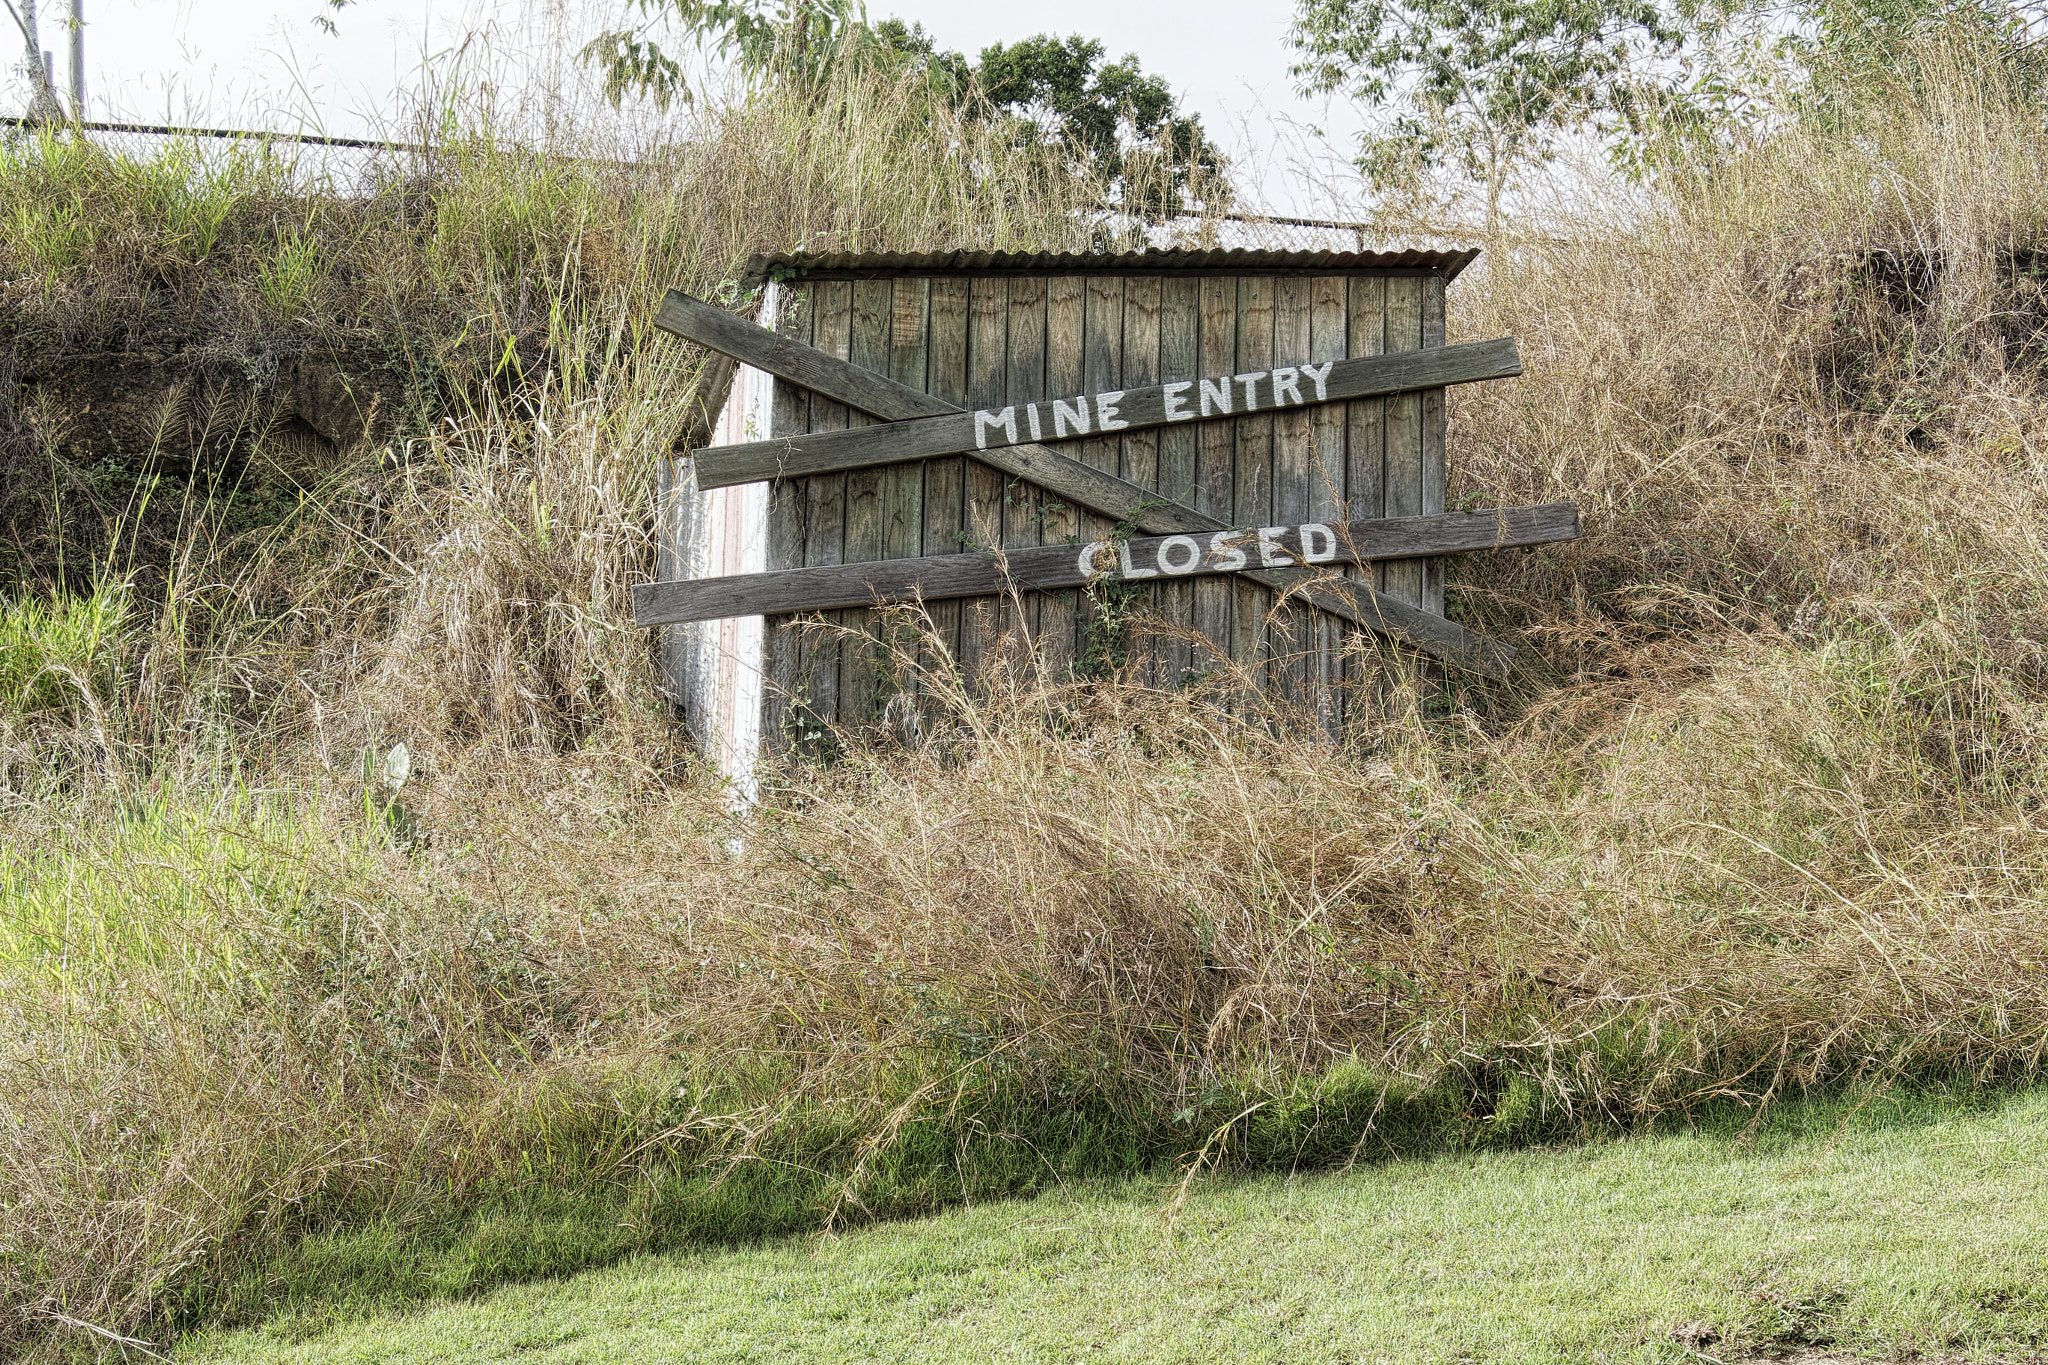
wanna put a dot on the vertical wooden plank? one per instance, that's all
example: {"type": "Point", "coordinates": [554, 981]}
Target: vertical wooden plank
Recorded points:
{"type": "Point", "coordinates": [1290, 640]}
{"type": "Point", "coordinates": [1365, 472]}
{"type": "Point", "coordinates": [1217, 342]}
{"type": "Point", "coordinates": [1138, 462]}
{"type": "Point", "coordinates": [790, 411]}
{"type": "Point", "coordinates": [859, 687]}
{"type": "Point", "coordinates": [674, 646]}
{"type": "Point", "coordinates": [1404, 432]}
{"type": "Point", "coordinates": [818, 656]}
{"type": "Point", "coordinates": [1328, 340]}
{"type": "Point", "coordinates": [988, 308]}
{"type": "Point", "coordinates": [945, 484]}
{"type": "Point", "coordinates": [1179, 455]}
{"type": "Point", "coordinates": [901, 499]}
{"type": "Point", "coordinates": [1024, 381]}
{"type": "Point", "coordinates": [909, 357]}
{"type": "Point", "coordinates": [1100, 361]}
{"type": "Point", "coordinates": [1433, 473]}
{"type": "Point", "coordinates": [1254, 489]}
{"type": "Point", "coordinates": [1065, 338]}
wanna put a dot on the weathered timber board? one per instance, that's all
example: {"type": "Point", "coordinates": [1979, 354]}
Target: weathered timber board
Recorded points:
{"type": "Point", "coordinates": [1111, 411]}
{"type": "Point", "coordinates": [1031, 568]}
{"type": "Point", "coordinates": [834, 378]}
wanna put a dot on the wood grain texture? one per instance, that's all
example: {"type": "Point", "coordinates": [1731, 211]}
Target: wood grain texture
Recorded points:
{"type": "Point", "coordinates": [1328, 340]}
{"type": "Point", "coordinates": [987, 376]}
{"type": "Point", "coordinates": [672, 488]}
{"type": "Point", "coordinates": [1404, 432]}
{"type": "Point", "coordinates": [1021, 497]}
{"type": "Point", "coordinates": [789, 412]}
{"type": "Point", "coordinates": [1290, 627]}
{"type": "Point", "coordinates": [706, 401]}
{"type": "Point", "coordinates": [1138, 456]}
{"type": "Point", "coordinates": [1141, 409]}
{"type": "Point", "coordinates": [709, 325]}
{"type": "Point", "coordinates": [1365, 461]}
{"type": "Point", "coordinates": [1179, 455]}
{"type": "Point", "coordinates": [1253, 493]}
{"type": "Point", "coordinates": [1218, 468]}
{"type": "Point", "coordinates": [1395, 619]}
{"type": "Point", "coordinates": [945, 479]}
{"type": "Point", "coordinates": [1434, 473]}
{"type": "Point", "coordinates": [859, 662]}
{"type": "Point", "coordinates": [1141, 558]}
{"type": "Point", "coordinates": [825, 502]}
{"type": "Point", "coordinates": [1058, 615]}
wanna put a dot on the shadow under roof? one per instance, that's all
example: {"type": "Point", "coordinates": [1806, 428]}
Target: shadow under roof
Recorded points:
{"type": "Point", "coordinates": [890, 264]}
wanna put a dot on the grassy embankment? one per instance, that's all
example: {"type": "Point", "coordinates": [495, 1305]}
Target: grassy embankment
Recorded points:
{"type": "Point", "coordinates": [1761, 817]}
{"type": "Point", "coordinates": [1911, 1228]}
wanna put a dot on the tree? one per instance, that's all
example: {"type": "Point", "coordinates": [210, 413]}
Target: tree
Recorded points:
{"type": "Point", "coordinates": [791, 39]}
{"type": "Point", "coordinates": [1111, 120]}
{"type": "Point", "coordinates": [43, 105]}
{"type": "Point", "coordinates": [1482, 87]}
{"type": "Point", "coordinates": [1847, 47]}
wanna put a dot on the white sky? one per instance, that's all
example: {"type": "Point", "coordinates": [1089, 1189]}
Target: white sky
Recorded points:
{"type": "Point", "coordinates": [268, 65]}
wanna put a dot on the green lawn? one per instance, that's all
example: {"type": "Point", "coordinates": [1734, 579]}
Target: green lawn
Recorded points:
{"type": "Point", "coordinates": [1893, 1230]}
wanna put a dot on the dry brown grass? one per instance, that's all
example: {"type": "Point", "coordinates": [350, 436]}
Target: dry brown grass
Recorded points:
{"type": "Point", "coordinates": [1764, 814]}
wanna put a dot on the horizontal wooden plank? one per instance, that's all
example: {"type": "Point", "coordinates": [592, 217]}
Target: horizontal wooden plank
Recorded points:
{"type": "Point", "coordinates": [1078, 483]}
{"type": "Point", "coordinates": [1065, 566]}
{"type": "Point", "coordinates": [1156, 405]}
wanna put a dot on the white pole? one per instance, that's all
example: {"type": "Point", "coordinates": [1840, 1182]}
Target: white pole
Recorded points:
{"type": "Point", "coordinates": [78, 60]}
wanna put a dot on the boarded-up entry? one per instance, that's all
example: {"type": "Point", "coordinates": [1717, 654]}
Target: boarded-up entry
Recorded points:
{"type": "Point", "coordinates": [988, 332]}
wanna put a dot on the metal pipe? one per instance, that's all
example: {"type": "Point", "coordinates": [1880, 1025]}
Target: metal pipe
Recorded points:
{"type": "Point", "coordinates": [78, 60]}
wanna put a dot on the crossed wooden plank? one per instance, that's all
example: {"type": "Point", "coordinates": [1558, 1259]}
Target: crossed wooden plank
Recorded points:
{"type": "Point", "coordinates": [1082, 484]}
{"type": "Point", "coordinates": [826, 587]}
{"type": "Point", "coordinates": [1188, 400]}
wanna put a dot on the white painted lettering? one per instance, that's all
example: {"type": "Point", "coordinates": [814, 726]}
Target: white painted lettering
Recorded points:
{"type": "Point", "coordinates": [1251, 389]}
{"type": "Point", "coordinates": [1065, 414]}
{"type": "Point", "coordinates": [1272, 553]}
{"type": "Point", "coordinates": [988, 418]}
{"type": "Point", "coordinates": [1176, 406]}
{"type": "Point", "coordinates": [1286, 380]}
{"type": "Point", "coordinates": [1321, 376]}
{"type": "Point", "coordinates": [1105, 411]}
{"type": "Point", "coordinates": [1031, 412]}
{"type": "Point", "coordinates": [1318, 543]}
{"type": "Point", "coordinates": [1086, 563]}
{"type": "Point", "coordinates": [1217, 392]}
{"type": "Point", "coordinates": [1173, 545]}
{"type": "Point", "coordinates": [1223, 552]}
{"type": "Point", "coordinates": [1123, 550]}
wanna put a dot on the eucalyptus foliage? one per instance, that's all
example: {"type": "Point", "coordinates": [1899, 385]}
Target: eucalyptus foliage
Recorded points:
{"type": "Point", "coordinates": [1111, 120]}
{"type": "Point", "coordinates": [1481, 87]}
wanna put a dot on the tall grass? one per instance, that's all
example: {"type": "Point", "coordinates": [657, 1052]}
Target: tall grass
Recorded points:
{"type": "Point", "coordinates": [1762, 815]}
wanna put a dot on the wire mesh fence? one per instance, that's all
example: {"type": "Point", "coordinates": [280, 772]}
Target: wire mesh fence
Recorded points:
{"type": "Point", "coordinates": [345, 165]}
{"type": "Point", "coordinates": [361, 166]}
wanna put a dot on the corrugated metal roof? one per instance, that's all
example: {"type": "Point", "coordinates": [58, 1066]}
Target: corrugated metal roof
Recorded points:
{"type": "Point", "coordinates": [1238, 261]}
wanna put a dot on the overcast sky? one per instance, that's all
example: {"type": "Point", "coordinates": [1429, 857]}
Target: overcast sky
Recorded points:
{"type": "Point", "coordinates": [269, 65]}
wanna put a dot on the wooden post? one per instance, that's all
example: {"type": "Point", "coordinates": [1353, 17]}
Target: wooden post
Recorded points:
{"type": "Point", "coordinates": [701, 666]}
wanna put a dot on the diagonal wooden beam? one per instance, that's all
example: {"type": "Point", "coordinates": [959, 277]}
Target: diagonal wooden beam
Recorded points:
{"type": "Point", "coordinates": [1156, 405]}
{"type": "Point", "coordinates": [1130, 505]}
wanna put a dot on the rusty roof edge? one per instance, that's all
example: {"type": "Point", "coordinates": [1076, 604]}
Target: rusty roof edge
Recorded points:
{"type": "Point", "coordinates": [1451, 263]}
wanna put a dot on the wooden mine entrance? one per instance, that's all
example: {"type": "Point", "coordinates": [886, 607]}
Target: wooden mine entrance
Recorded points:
{"type": "Point", "coordinates": [1037, 402]}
